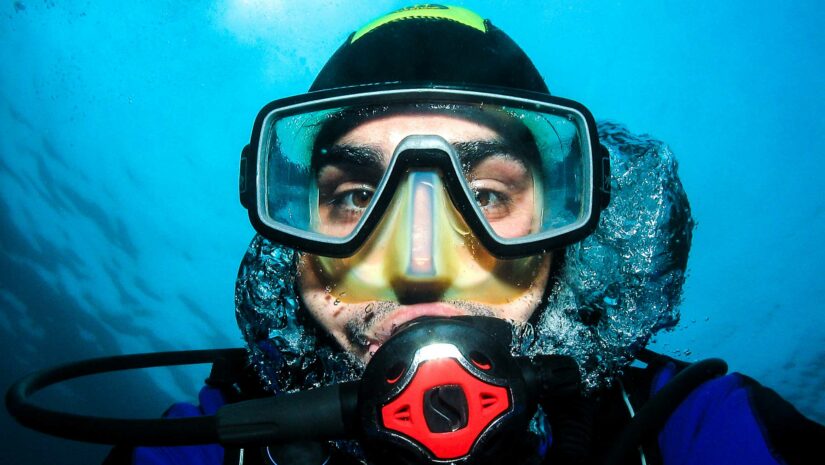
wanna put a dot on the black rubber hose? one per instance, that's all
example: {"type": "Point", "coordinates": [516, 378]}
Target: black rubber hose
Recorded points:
{"type": "Point", "coordinates": [571, 422]}
{"type": "Point", "coordinates": [321, 413]}
{"type": "Point", "coordinates": [154, 432]}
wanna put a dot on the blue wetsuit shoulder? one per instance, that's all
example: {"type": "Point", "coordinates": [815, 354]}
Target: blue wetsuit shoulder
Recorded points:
{"type": "Point", "coordinates": [733, 419]}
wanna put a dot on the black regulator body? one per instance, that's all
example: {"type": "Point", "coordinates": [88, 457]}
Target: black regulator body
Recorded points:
{"type": "Point", "coordinates": [444, 391]}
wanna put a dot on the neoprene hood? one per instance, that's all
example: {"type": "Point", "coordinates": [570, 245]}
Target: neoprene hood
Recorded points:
{"type": "Point", "coordinates": [430, 44]}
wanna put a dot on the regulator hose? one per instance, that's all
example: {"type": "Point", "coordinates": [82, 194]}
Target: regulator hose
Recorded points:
{"type": "Point", "coordinates": [155, 432]}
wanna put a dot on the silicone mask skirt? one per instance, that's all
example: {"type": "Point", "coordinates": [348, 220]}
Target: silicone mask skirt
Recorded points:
{"type": "Point", "coordinates": [614, 290]}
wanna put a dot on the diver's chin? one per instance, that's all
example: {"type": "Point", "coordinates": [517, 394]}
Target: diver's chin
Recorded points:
{"type": "Point", "coordinates": [402, 315]}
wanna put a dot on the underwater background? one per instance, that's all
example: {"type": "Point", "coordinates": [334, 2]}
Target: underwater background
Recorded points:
{"type": "Point", "coordinates": [121, 126]}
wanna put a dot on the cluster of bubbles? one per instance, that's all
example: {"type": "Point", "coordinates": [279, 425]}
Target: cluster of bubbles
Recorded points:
{"type": "Point", "coordinates": [286, 348]}
{"type": "Point", "coordinates": [614, 290]}
{"type": "Point", "coordinates": [623, 283]}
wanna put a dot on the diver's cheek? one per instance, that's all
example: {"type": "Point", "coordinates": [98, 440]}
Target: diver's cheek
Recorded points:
{"type": "Point", "coordinates": [333, 318]}
{"type": "Point", "coordinates": [522, 308]}
{"type": "Point", "coordinates": [324, 307]}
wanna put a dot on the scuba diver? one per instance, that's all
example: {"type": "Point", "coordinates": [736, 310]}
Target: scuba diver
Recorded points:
{"type": "Point", "coordinates": [482, 260]}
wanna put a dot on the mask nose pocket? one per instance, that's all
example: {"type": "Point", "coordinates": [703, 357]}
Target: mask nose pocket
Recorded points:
{"type": "Point", "coordinates": [421, 265]}
{"type": "Point", "coordinates": [422, 224]}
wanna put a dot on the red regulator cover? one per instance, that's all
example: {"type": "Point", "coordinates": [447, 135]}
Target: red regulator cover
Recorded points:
{"type": "Point", "coordinates": [475, 405]}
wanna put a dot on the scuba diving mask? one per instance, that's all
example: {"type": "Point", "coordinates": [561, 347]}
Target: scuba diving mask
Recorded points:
{"type": "Point", "coordinates": [531, 178]}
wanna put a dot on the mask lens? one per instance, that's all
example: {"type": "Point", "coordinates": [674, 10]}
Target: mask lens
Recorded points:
{"type": "Point", "coordinates": [525, 168]}
{"type": "Point", "coordinates": [312, 183]}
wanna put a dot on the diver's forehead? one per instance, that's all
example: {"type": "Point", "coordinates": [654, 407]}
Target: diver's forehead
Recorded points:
{"type": "Point", "coordinates": [384, 133]}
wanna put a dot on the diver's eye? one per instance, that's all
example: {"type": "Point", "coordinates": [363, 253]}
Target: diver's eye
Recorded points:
{"type": "Point", "coordinates": [352, 200]}
{"type": "Point", "coordinates": [358, 198]}
{"type": "Point", "coordinates": [485, 198]}
{"type": "Point", "coordinates": [494, 204]}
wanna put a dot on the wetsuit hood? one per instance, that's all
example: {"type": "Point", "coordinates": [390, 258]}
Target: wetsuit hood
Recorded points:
{"type": "Point", "coordinates": [408, 46]}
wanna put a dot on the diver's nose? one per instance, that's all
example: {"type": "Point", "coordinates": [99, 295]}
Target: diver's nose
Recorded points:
{"type": "Point", "coordinates": [423, 268]}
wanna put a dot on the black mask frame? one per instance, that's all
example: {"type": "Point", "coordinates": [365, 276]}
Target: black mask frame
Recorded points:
{"type": "Point", "coordinates": [423, 153]}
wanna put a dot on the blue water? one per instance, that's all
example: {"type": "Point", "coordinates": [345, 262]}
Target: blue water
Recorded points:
{"type": "Point", "coordinates": [122, 127]}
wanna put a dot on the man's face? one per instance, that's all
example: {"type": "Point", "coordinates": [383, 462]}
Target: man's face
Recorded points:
{"type": "Point", "coordinates": [470, 281]}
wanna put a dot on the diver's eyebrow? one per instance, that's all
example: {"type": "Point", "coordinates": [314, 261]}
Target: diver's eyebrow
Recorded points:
{"type": "Point", "coordinates": [345, 154]}
{"type": "Point", "coordinates": [473, 152]}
